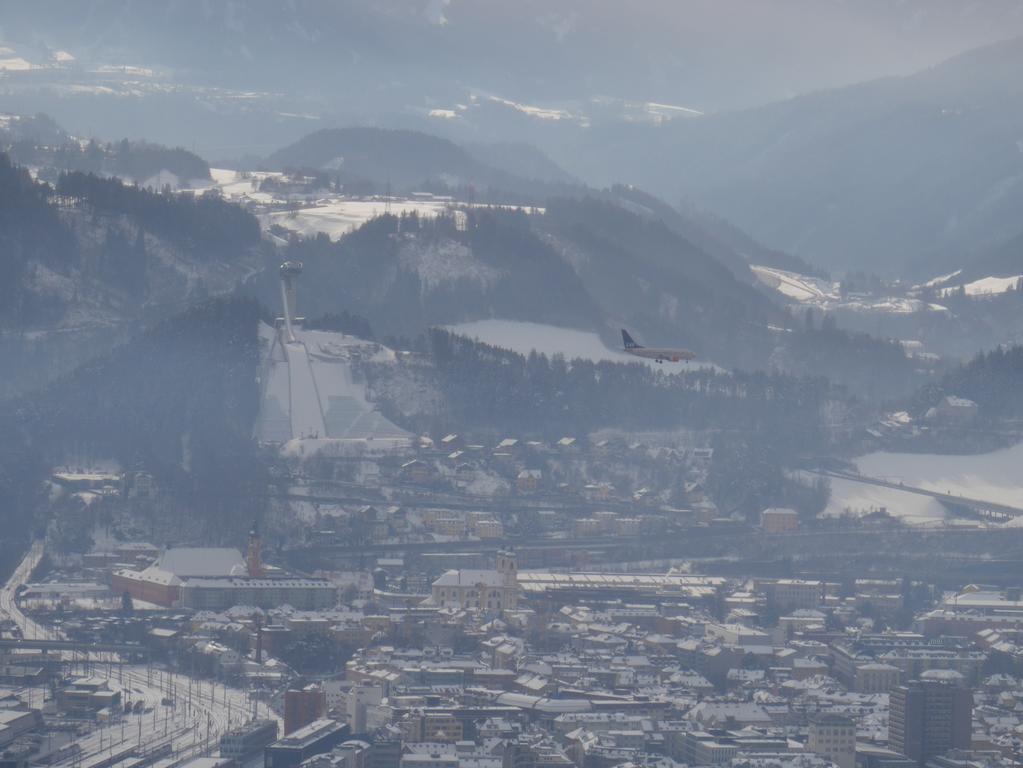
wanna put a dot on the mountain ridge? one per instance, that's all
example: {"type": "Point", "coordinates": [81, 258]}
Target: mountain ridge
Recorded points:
{"type": "Point", "coordinates": [897, 174]}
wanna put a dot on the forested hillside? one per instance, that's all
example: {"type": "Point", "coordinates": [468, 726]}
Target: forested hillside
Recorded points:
{"type": "Point", "coordinates": [551, 397]}
{"type": "Point", "coordinates": [31, 232]}
{"type": "Point", "coordinates": [179, 400]}
{"type": "Point", "coordinates": [646, 275]}
{"type": "Point", "coordinates": [403, 160]}
{"type": "Point", "coordinates": [95, 243]}
{"type": "Point", "coordinates": [205, 227]}
{"type": "Point", "coordinates": [584, 264]}
{"type": "Point", "coordinates": [406, 273]}
{"type": "Point", "coordinates": [89, 257]}
{"type": "Point", "coordinates": [991, 379]}
{"type": "Point", "coordinates": [40, 142]}
{"type": "Point", "coordinates": [595, 263]}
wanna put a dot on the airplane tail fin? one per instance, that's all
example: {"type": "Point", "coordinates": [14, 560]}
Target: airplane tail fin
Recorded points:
{"type": "Point", "coordinates": [628, 341]}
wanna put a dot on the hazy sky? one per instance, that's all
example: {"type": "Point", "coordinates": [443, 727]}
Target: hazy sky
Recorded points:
{"type": "Point", "coordinates": [733, 53]}
{"type": "Point", "coordinates": [712, 54]}
{"type": "Point", "coordinates": [388, 61]}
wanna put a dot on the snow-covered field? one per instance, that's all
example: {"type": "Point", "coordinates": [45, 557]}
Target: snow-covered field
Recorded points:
{"type": "Point", "coordinates": [991, 477]}
{"type": "Point", "coordinates": [986, 286]}
{"type": "Point", "coordinates": [524, 337]}
{"type": "Point", "coordinates": [795, 286]}
{"type": "Point", "coordinates": [339, 216]}
{"type": "Point", "coordinates": [825, 294]}
{"type": "Point", "coordinates": [334, 216]}
{"type": "Point", "coordinates": [860, 499]}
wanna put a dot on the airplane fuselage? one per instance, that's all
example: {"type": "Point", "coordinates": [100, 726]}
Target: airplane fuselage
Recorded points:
{"type": "Point", "coordinates": [662, 354]}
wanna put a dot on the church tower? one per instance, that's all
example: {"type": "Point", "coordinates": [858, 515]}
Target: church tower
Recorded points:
{"type": "Point", "coordinates": [507, 566]}
{"type": "Point", "coordinates": [254, 556]}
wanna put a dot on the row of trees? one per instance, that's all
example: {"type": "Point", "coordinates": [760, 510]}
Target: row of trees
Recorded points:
{"type": "Point", "coordinates": [136, 160]}
{"type": "Point", "coordinates": [206, 226]}
{"type": "Point", "coordinates": [487, 387]}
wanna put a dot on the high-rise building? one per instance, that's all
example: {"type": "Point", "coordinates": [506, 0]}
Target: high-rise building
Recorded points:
{"type": "Point", "coordinates": [930, 716]}
{"type": "Point", "coordinates": [833, 737]}
{"type": "Point", "coordinates": [302, 707]}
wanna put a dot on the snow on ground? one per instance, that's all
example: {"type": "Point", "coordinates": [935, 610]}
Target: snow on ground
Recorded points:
{"type": "Point", "coordinates": [445, 263]}
{"type": "Point", "coordinates": [825, 294]}
{"type": "Point", "coordinates": [671, 110]}
{"type": "Point", "coordinates": [890, 305]}
{"type": "Point", "coordinates": [340, 216]}
{"type": "Point", "coordinates": [333, 215]}
{"type": "Point", "coordinates": [986, 286]}
{"type": "Point", "coordinates": [991, 476]}
{"type": "Point", "coordinates": [234, 185]}
{"type": "Point", "coordinates": [796, 286]}
{"type": "Point", "coordinates": [533, 111]}
{"type": "Point", "coordinates": [934, 282]}
{"type": "Point", "coordinates": [306, 417]}
{"type": "Point", "coordinates": [310, 394]}
{"type": "Point", "coordinates": [15, 64]}
{"type": "Point", "coordinates": [124, 69]}
{"type": "Point", "coordinates": [861, 499]}
{"type": "Point", "coordinates": [524, 337]}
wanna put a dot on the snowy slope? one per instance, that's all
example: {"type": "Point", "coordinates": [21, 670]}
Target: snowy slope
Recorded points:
{"type": "Point", "coordinates": [311, 394]}
{"type": "Point", "coordinates": [826, 295]}
{"type": "Point", "coordinates": [444, 263]}
{"type": "Point", "coordinates": [986, 286]}
{"type": "Point", "coordinates": [795, 286]}
{"type": "Point", "coordinates": [304, 401]}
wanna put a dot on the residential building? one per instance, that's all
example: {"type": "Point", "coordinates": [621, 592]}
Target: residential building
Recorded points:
{"type": "Point", "coordinates": [833, 737]}
{"type": "Point", "coordinates": [779, 520]}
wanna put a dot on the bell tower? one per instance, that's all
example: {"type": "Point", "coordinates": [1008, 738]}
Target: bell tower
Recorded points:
{"type": "Point", "coordinates": [254, 556]}
{"type": "Point", "coordinates": [507, 567]}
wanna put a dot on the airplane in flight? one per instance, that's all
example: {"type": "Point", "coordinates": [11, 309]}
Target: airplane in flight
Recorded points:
{"type": "Point", "coordinates": [658, 354]}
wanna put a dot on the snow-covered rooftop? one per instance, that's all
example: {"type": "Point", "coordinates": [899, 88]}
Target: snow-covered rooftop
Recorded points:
{"type": "Point", "coordinates": [200, 561]}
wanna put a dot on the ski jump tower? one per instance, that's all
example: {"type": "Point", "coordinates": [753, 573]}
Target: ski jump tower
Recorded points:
{"type": "Point", "coordinates": [307, 418]}
{"type": "Point", "coordinates": [290, 270]}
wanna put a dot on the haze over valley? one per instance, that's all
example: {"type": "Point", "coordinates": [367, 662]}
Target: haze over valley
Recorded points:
{"type": "Point", "coordinates": [466, 384]}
